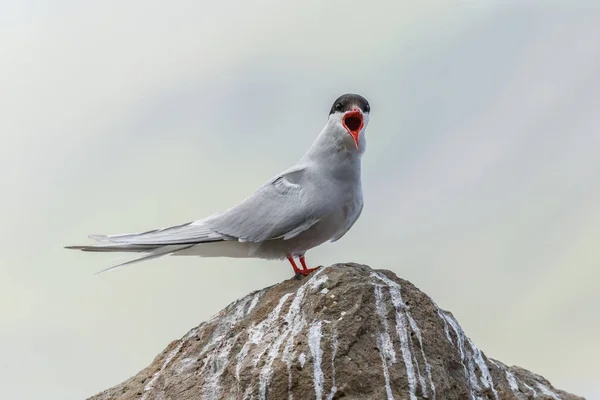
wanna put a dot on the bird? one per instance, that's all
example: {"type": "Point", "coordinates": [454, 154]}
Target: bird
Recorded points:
{"type": "Point", "coordinates": [316, 200]}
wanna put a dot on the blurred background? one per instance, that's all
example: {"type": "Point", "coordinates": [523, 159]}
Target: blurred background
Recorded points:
{"type": "Point", "coordinates": [481, 176]}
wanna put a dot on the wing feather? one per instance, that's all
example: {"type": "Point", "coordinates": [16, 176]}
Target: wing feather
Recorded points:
{"type": "Point", "coordinates": [282, 208]}
{"type": "Point", "coordinates": [279, 209]}
{"type": "Point", "coordinates": [189, 233]}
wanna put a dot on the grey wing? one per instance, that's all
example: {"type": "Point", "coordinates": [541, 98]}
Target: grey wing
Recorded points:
{"type": "Point", "coordinates": [279, 209]}
{"type": "Point", "coordinates": [283, 208]}
{"type": "Point", "coordinates": [189, 233]}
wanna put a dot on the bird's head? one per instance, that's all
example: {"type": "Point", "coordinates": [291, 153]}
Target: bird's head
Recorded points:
{"type": "Point", "coordinates": [350, 113]}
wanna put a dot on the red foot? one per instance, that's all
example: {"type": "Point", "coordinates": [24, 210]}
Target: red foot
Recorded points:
{"type": "Point", "coordinates": [305, 270]}
{"type": "Point", "coordinates": [308, 271]}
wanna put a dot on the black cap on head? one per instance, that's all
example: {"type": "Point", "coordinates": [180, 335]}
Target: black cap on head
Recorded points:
{"type": "Point", "coordinates": [348, 101]}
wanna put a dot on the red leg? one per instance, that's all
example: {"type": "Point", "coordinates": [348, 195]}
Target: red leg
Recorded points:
{"type": "Point", "coordinates": [296, 269]}
{"type": "Point", "coordinates": [306, 270]}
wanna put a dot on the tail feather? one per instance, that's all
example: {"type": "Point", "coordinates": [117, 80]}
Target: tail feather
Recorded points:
{"type": "Point", "coordinates": [153, 251]}
{"type": "Point", "coordinates": [154, 243]}
{"type": "Point", "coordinates": [115, 248]}
{"type": "Point", "coordinates": [158, 252]}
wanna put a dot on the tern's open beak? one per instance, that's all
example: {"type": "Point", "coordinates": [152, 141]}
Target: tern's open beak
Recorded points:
{"type": "Point", "coordinates": [353, 121]}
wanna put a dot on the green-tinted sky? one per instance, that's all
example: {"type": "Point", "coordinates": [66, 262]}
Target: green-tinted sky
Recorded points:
{"type": "Point", "coordinates": [481, 177]}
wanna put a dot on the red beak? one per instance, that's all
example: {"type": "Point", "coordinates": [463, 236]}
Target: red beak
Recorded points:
{"type": "Point", "coordinates": [353, 122]}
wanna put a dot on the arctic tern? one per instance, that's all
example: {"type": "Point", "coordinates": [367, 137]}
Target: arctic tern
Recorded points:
{"type": "Point", "coordinates": [316, 200]}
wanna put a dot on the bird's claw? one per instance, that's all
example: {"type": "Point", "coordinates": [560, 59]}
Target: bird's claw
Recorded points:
{"type": "Point", "coordinates": [305, 272]}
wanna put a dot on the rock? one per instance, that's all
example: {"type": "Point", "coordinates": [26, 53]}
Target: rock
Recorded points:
{"type": "Point", "coordinates": [346, 331]}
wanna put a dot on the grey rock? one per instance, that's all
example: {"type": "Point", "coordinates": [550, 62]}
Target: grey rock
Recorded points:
{"type": "Point", "coordinates": [346, 331]}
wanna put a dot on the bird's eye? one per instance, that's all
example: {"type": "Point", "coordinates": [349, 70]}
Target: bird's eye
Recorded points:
{"type": "Point", "coordinates": [367, 108]}
{"type": "Point", "coordinates": [339, 106]}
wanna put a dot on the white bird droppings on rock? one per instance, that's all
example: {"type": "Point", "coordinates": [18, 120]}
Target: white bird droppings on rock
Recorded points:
{"type": "Point", "coordinates": [302, 359]}
{"type": "Point", "coordinates": [314, 343]}
{"type": "Point", "coordinates": [334, 347]}
{"type": "Point", "coordinates": [546, 390]}
{"type": "Point", "coordinates": [401, 331]}
{"type": "Point", "coordinates": [250, 349]}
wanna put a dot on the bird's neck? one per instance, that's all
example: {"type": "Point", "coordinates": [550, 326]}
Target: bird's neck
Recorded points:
{"type": "Point", "coordinates": [335, 150]}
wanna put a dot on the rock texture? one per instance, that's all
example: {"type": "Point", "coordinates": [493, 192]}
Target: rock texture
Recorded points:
{"type": "Point", "coordinates": [346, 331]}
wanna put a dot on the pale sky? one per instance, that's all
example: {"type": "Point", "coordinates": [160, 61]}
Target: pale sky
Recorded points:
{"type": "Point", "coordinates": [481, 176]}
